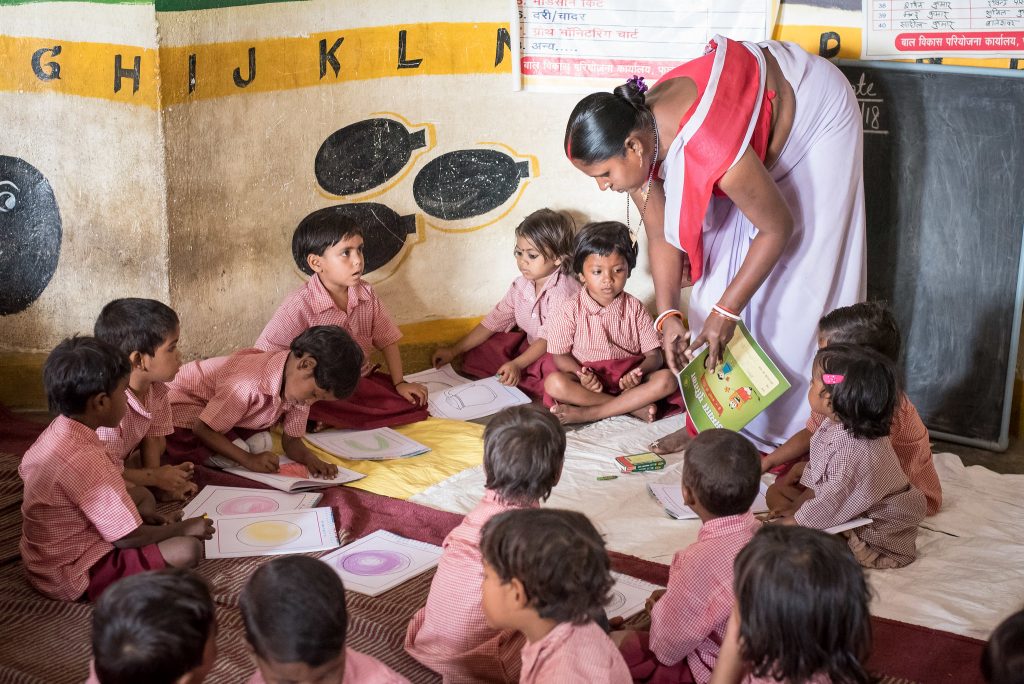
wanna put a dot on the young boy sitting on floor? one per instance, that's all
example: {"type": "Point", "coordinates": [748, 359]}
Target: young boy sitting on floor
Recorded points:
{"type": "Point", "coordinates": [547, 575]}
{"type": "Point", "coordinates": [721, 477]}
{"type": "Point", "coordinates": [295, 621]}
{"type": "Point", "coordinates": [147, 331]}
{"type": "Point", "coordinates": [252, 390]}
{"type": "Point", "coordinates": [329, 248]}
{"type": "Point", "coordinates": [605, 350]}
{"type": "Point", "coordinates": [156, 627]}
{"type": "Point", "coordinates": [81, 529]}
{"type": "Point", "coordinates": [524, 447]}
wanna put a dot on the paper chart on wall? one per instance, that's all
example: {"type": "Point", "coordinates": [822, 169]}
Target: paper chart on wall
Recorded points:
{"type": "Point", "coordinates": [271, 534]}
{"type": "Point", "coordinates": [452, 396]}
{"type": "Point", "coordinates": [367, 445]}
{"type": "Point", "coordinates": [381, 561]}
{"type": "Point", "coordinates": [629, 596]}
{"type": "Point", "coordinates": [216, 501]}
{"type": "Point", "coordinates": [670, 496]}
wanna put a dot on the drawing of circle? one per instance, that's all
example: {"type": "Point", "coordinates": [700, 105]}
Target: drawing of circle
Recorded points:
{"type": "Point", "coordinates": [269, 533]}
{"type": "Point", "coordinates": [617, 601]}
{"type": "Point", "coordinates": [370, 563]}
{"type": "Point", "coordinates": [248, 504]}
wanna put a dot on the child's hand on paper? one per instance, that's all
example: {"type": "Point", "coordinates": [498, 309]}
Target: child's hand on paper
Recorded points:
{"type": "Point", "coordinates": [442, 356]}
{"type": "Point", "coordinates": [263, 462]}
{"type": "Point", "coordinates": [589, 380]}
{"type": "Point", "coordinates": [200, 527]}
{"type": "Point", "coordinates": [631, 379]}
{"type": "Point", "coordinates": [321, 469]}
{"type": "Point", "coordinates": [508, 374]}
{"type": "Point", "coordinates": [413, 392]}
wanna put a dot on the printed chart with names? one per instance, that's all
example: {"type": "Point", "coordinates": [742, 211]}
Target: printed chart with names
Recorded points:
{"type": "Point", "coordinates": [943, 28]}
{"type": "Point", "coordinates": [586, 45]}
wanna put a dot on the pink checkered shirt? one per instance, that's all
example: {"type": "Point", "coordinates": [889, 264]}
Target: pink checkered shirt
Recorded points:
{"type": "Point", "coordinates": [359, 669]}
{"type": "Point", "coordinates": [242, 390]}
{"type": "Point", "coordinates": [689, 620]}
{"type": "Point", "coordinates": [574, 653]}
{"type": "Point", "coordinates": [75, 505]}
{"type": "Point", "coordinates": [450, 635]}
{"type": "Point", "coordinates": [854, 478]}
{"type": "Point", "coordinates": [522, 306]}
{"type": "Point", "coordinates": [913, 448]}
{"type": "Point", "coordinates": [365, 319]}
{"type": "Point", "coordinates": [591, 332]}
{"type": "Point", "coordinates": [144, 418]}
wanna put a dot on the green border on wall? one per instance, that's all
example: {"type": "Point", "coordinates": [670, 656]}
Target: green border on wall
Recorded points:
{"type": "Point", "coordinates": [161, 5]}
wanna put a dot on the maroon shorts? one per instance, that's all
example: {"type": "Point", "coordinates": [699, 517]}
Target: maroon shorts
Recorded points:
{"type": "Point", "coordinates": [120, 563]}
{"type": "Point", "coordinates": [644, 666]}
{"type": "Point", "coordinates": [375, 403]}
{"type": "Point", "coordinates": [484, 361]}
{"type": "Point", "coordinates": [183, 445]}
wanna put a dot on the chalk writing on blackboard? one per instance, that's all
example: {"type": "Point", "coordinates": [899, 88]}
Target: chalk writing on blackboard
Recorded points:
{"type": "Point", "coordinates": [367, 154]}
{"type": "Point", "coordinates": [30, 234]}
{"type": "Point", "coordinates": [385, 232]}
{"type": "Point", "coordinates": [872, 105]}
{"type": "Point", "coordinates": [468, 183]}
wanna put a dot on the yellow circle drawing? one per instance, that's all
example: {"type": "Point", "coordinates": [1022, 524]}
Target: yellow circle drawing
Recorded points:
{"type": "Point", "coordinates": [269, 533]}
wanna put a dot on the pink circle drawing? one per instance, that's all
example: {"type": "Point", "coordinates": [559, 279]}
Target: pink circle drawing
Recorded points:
{"type": "Point", "coordinates": [370, 563]}
{"type": "Point", "coordinates": [247, 504]}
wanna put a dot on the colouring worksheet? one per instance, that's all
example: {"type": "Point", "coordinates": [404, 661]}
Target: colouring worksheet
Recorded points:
{"type": "Point", "coordinates": [215, 501]}
{"type": "Point", "coordinates": [271, 534]}
{"type": "Point", "coordinates": [367, 445]}
{"type": "Point", "coordinates": [452, 396]}
{"type": "Point", "coordinates": [438, 379]}
{"type": "Point", "coordinates": [380, 561]}
{"type": "Point", "coordinates": [629, 595]}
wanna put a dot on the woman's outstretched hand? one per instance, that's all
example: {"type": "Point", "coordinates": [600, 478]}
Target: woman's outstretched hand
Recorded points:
{"type": "Point", "coordinates": [716, 333]}
{"type": "Point", "coordinates": [675, 337]}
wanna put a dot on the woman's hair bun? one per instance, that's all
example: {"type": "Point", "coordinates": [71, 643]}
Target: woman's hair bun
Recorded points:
{"type": "Point", "coordinates": [632, 91]}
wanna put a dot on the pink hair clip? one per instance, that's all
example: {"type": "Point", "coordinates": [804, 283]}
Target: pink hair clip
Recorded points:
{"type": "Point", "coordinates": [832, 378]}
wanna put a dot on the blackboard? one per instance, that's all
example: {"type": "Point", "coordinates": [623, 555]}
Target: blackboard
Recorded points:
{"type": "Point", "coordinates": [944, 189]}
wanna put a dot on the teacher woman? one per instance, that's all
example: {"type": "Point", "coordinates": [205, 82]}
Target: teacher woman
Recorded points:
{"type": "Point", "coordinates": [747, 159]}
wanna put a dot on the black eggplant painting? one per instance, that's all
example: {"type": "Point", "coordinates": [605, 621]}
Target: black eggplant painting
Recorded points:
{"type": "Point", "coordinates": [30, 234]}
{"type": "Point", "coordinates": [467, 183]}
{"type": "Point", "coordinates": [384, 232]}
{"type": "Point", "coordinates": [365, 155]}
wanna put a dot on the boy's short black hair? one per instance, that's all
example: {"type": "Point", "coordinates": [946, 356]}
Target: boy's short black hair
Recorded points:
{"type": "Point", "coordinates": [557, 555]}
{"type": "Point", "coordinates": [293, 609]}
{"type": "Point", "coordinates": [865, 399]}
{"type": "Point", "coordinates": [136, 325]}
{"type": "Point", "coordinates": [803, 605]}
{"type": "Point", "coordinates": [1002, 661]}
{"type": "Point", "coordinates": [319, 231]}
{"type": "Point", "coordinates": [524, 448]}
{"type": "Point", "coordinates": [723, 470]}
{"type": "Point", "coordinates": [78, 369]}
{"type": "Point", "coordinates": [869, 324]}
{"type": "Point", "coordinates": [151, 627]}
{"type": "Point", "coordinates": [339, 360]}
{"type": "Point", "coordinates": [603, 238]}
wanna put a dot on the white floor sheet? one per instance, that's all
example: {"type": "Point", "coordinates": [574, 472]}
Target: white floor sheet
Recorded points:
{"type": "Point", "coordinates": [968, 576]}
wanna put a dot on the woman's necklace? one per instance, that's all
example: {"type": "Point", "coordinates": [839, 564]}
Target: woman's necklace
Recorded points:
{"type": "Point", "coordinates": [647, 193]}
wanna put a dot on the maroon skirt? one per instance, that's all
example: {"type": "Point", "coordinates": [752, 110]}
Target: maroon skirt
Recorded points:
{"type": "Point", "coordinates": [484, 361]}
{"type": "Point", "coordinates": [375, 403]}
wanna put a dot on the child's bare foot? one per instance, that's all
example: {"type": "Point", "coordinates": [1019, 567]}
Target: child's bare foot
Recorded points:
{"type": "Point", "coordinates": [568, 414]}
{"type": "Point", "coordinates": [673, 443]}
{"type": "Point", "coordinates": [645, 413]}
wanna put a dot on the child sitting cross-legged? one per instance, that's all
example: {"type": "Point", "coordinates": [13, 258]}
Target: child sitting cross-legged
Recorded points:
{"type": "Point", "coordinates": [853, 471]}
{"type": "Point", "coordinates": [328, 247]}
{"type": "Point", "coordinates": [524, 447]}
{"type": "Point", "coordinates": [155, 627]}
{"type": "Point", "coordinates": [604, 347]}
{"type": "Point", "coordinates": [801, 613]}
{"type": "Point", "coordinates": [868, 324]}
{"type": "Point", "coordinates": [721, 477]}
{"type": "Point", "coordinates": [214, 401]}
{"type": "Point", "coordinates": [147, 331]}
{"type": "Point", "coordinates": [547, 575]}
{"type": "Point", "coordinates": [82, 529]}
{"type": "Point", "coordinates": [293, 609]}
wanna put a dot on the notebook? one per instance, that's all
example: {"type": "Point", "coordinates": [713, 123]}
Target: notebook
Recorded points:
{"type": "Point", "coordinates": [294, 477]}
{"type": "Point", "coordinates": [366, 445]}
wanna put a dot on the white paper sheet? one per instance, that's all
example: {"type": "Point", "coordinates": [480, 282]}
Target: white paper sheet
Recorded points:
{"type": "Point", "coordinates": [856, 522]}
{"type": "Point", "coordinates": [382, 560]}
{"type": "Point", "coordinates": [629, 595]}
{"type": "Point", "coordinates": [216, 501]}
{"type": "Point", "coordinates": [452, 396]}
{"type": "Point", "coordinates": [670, 495]}
{"type": "Point", "coordinates": [367, 445]}
{"type": "Point", "coordinates": [296, 484]}
{"type": "Point", "coordinates": [271, 534]}
{"type": "Point", "coordinates": [438, 379]}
